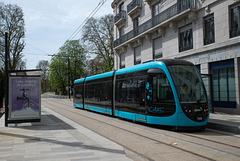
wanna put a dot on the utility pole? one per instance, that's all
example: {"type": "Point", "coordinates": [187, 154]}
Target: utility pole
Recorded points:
{"type": "Point", "coordinates": [69, 93]}
{"type": "Point", "coordinates": [69, 72]}
{"type": "Point", "coordinates": [6, 79]}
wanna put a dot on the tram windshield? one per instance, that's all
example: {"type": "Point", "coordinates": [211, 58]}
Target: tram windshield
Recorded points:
{"type": "Point", "coordinates": [188, 83]}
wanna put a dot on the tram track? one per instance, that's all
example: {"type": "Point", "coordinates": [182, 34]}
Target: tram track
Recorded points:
{"type": "Point", "coordinates": [145, 129]}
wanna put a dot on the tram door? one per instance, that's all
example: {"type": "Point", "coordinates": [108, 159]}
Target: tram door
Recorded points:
{"type": "Point", "coordinates": [141, 90]}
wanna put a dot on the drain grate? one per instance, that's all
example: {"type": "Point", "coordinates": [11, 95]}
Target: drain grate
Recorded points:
{"type": "Point", "coordinates": [32, 140]}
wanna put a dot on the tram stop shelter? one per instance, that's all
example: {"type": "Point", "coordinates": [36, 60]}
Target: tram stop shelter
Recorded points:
{"type": "Point", "coordinates": [24, 96]}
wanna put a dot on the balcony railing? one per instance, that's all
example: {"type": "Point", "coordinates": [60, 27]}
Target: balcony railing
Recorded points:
{"type": "Point", "coordinates": [177, 8]}
{"type": "Point", "coordinates": [119, 16]}
{"type": "Point", "coordinates": [134, 4]}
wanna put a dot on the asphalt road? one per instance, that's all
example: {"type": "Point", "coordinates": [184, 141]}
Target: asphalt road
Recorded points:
{"type": "Point", "coordinates": [144, 142]}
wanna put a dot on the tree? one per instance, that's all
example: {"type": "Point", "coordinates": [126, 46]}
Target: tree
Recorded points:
{"type": "Point", "coordinates": [74, 51]}
{"type": "Point", "coordinates": [98, 34]}
{"type": "Point", "coordinates": [44, 65]}
{"type": "Point", "coordinates": [11, 21]}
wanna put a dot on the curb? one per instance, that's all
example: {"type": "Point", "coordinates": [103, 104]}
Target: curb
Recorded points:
{"type": "Point", "coordinates": [222, 127]}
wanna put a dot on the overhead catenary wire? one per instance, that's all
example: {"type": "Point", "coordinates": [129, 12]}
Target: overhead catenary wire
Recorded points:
{"type": "Point", "coordinates": [37, 48]}
{"type": "Point", "coordinates": [76, 32]}
{"type": "Point", "coordinates": [79, 28]}
{"type": "Point", "coordinates": [34, 54]}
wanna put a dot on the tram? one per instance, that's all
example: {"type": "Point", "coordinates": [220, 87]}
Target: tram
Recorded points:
{"type": "Point", "coordinates": [167, 92]}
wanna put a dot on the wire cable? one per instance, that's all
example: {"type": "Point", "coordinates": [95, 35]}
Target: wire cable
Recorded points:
{"type": "Point", "coordinates": [76, 32]}
{"type": "Point", "coordinates": [37, 48]}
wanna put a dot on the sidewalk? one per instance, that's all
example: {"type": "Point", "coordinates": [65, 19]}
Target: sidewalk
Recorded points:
{"type": "Point", "coordinates": [224, 122]}
{"type": "Point", "coordinates": [55, 138]}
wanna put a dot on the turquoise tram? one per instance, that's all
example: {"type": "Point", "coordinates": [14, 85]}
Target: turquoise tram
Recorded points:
{"type": "Point", "coordinates": [167, 92]}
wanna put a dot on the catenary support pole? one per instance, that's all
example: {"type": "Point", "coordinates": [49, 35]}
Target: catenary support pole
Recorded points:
{"type": "Point", "coordinates": [6, 79]}
{"type": "Point", "coordinates": [69, 93]}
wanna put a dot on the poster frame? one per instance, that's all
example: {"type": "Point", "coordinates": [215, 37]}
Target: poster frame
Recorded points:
{"type": "Point", "coordinates": [21, 119]}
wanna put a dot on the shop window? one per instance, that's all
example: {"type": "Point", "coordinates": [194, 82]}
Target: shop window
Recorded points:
{"type": "Point", "coordinates": [224, 90]}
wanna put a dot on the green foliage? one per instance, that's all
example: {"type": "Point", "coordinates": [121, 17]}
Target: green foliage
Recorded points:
{"type": "Point", "coordinates": [73, 51]}
{"type": "Point", "coordinates": [44, 66]}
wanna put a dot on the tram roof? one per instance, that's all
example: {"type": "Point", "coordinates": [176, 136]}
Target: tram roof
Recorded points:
{"type": "Point", "coordinates": [153, 64]}
{"type": "Point", "coordinates": [103, 75]}
{"type": "Point", "coordinates": [148, 65]}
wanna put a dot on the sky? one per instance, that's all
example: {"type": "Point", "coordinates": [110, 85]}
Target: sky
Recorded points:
{"type": "Point", "coordinates": [49, 23]}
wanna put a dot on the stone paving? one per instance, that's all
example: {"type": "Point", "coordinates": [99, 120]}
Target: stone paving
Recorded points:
{"type": "Point", "coordinates": [55, 138]}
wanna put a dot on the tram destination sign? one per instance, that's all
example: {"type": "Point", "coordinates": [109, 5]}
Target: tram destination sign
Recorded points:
{"type": "Point", "coordinates": [24, 98]}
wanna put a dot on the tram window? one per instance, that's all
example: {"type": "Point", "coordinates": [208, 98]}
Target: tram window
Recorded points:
{"type": "Point", "coordinates": [90, 92]}
{"type": "Point", "coordinates": [131, 92]}
{"type": "Point", "coordinates": [78, 93]}
{"type": "Point", "coordinates": [162, 92]}
{"type": "Point", "coordinates": [99, 93]}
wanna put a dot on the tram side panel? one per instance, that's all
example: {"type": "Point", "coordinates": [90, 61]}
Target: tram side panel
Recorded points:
{"type": "Point", "coordinates": [98, 95]}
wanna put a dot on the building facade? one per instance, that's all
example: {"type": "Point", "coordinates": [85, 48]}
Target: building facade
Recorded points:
{"type": "Point", "coordinates": [204, 32]}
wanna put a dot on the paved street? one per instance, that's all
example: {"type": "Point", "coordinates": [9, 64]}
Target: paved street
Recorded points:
{"type": "Point", "coordinates": [68, 133]}
{"type": "Point", "coordinates": [142, 142]}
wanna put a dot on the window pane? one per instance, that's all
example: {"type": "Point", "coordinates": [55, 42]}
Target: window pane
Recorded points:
{"type": "Point", "coordinates": [137, 55]}
{"type": "Point", "coordinates": [157, 8]}
{"type": "Point", "coordinates": [157, 47]}
{"type": "Point", "coordinates": [209, 35]}
{"type": "Point", "coordinates": [141, 91]}
{"type": "Point", "coordinates": [122, 60]}
{"type": "Point", "coordinates": [231, 83]}
{"type": "Point", "coordinates": [188, 84]}
{"type": "Point", "coordinates": [235, 17]}
{"type": "Point", "coordinates": [185, 38]}
{"type": "Point", "coordinates": [162, 92]}
{"type": "Point", "coordinates": [223, 84]}
{"type": "Point", "coordinates": [235, 24]}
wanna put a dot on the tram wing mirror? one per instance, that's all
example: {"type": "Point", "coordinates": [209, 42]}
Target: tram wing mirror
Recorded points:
{"type": "Point", "coordinates": [155, 71]}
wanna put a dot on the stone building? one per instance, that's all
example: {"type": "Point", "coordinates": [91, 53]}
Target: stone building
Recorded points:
{"type": "Point", "coordinates": [204, 32]}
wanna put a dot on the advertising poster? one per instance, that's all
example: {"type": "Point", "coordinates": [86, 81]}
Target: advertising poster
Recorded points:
{"type": "Point", "coordinates": [24, 98]}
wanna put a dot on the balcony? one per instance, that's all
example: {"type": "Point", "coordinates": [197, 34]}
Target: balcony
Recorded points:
{"type": "Point", "coordinates": [134, 7]}
{"type": "Point", "coordinates": [120, 17]}
{"type": "Point", "coordinates": [174, 13]}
